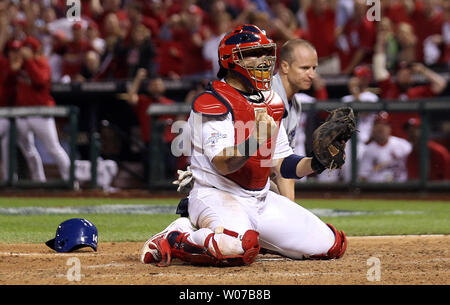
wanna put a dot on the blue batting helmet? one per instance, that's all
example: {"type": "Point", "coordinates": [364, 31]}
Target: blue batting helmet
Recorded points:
{"type": "Point", "coordinates": [74, 234]}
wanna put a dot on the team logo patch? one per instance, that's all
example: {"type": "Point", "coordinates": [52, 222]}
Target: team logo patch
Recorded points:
{"type": "Point", "coordinates": [215, 137]}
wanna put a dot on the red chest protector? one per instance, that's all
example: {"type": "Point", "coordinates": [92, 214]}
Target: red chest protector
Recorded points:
{"type": "Point", "coordinates": [220, 99]}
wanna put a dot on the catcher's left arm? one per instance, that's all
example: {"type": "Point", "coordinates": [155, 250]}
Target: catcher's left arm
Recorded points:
{"type": "Point", "coordinates": [328, 147]}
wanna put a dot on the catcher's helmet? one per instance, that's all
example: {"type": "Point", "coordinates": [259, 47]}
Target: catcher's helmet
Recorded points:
{"type": "Point", "coordinates": [248, 51]}
{"type": "Point", "coordinates": [74, 234]}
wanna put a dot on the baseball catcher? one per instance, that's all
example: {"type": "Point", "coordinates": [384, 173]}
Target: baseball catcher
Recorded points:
{"type": "Point", "coordinates": [238, 142]}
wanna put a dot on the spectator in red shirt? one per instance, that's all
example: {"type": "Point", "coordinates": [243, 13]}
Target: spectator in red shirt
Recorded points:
{"type": "Point", "coordinates": [136, 17]}
{"type": "Point", "coordinates": [398, 10]}
{"type": "Point", "coordinates": [74, 52]}
{"type": "Point", "coordinates": [427, 20]}
{"type": "Point", "coordinates": [102, 11]}
{"type": "Point", "coordinates": [439, 157]}
{"type": "Point", "coordinates": [156, 10]}
{"type": "Point", "coordinates": [7, 95]}
{"type": "Point", "coordinates": [154, 94]}
{"type": "Point", "coordinates": [403, 88]}
{"type": "Point", "coordinates": [192, 36]}
{"type": "Point", "coordinates": [357, 40]}
{"type": "Point", "coordinates": [170, 52]}
{"type": "Point", "coordinates": [437, 46]}
{"type": "Point", "coordinates": [320, 16]}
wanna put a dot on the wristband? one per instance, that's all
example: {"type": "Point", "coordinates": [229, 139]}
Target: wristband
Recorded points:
{"type": "Point", "coordinates": [288, 168]}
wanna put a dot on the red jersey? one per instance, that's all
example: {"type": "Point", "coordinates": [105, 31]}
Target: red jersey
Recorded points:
{"type": "Point", "coordinates": [397, 13]}
{"type": "Point", "coordinates": [34, 83]}
{"type": "Point", "coordinates": [439, 163]}
{"type": "Point", "coordinates": [321, 30]}
{"type": "Point", "coordinates": [169, 57]}
{"type": "Point", "coordinates": [7, 83]}
{"type": "Point", "coordinates": [75, 51]}
{"type": "Point", "coordinates": [100, 20]}
{"type": "Point", "coordinates": [192, 60]}
{"type": "Point", "coordinates": [390, 90]}
{"type": "Point", "coordinates": [141, 108]}
{"type": "Point", "coordinates": [359, 34]}
{"type": "Point", "coordinates": [425, 26]}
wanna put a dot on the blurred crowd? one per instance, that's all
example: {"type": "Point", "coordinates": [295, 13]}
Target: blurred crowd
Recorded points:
{"type": "Point", "coordinates": [178, 38]}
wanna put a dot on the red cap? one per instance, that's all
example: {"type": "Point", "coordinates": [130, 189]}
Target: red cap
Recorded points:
{"type": "Point", "coordinates": [382, 117]}
{"type": "Point", "coordinates": [32, 43]}
{"type": "Point", "coordinates": [416, 122]}
{"type": "Point", "coordinates": [14, 45]}
{"type": "Point", "coordinates": [363, 71]}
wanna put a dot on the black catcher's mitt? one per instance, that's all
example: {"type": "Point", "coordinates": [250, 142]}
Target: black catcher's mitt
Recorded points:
{"type": "Point", "coordinates": [329, 139]}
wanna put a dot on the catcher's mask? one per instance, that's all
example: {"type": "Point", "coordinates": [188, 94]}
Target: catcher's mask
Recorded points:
{"type": "Point", "coordinates": [249, 52]}
{"type": "Point", "coordinates": [74, 234]}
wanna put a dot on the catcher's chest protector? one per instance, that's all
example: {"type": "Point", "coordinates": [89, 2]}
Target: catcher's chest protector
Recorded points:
{"type": "Point", "coordinates": [220, 99]}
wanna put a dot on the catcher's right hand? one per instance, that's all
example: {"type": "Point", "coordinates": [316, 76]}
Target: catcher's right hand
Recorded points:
{"type": "Point", "coordinates": [185, 181]}
{"type": "Point", "coordinates": [329, 139]}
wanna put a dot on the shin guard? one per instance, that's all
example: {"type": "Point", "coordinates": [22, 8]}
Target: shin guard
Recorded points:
{"type": "Point", "coordinates": [209, 254]}
{"type": "Point", "coordinates": [337, 250]}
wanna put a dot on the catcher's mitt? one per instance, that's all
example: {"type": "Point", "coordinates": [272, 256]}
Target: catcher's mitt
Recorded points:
{"type": "Point", "coordinates": [329, 139]}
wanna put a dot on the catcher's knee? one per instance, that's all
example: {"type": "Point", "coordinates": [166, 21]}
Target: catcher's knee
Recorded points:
{"type": "Point", "coordinates": [338, 248]}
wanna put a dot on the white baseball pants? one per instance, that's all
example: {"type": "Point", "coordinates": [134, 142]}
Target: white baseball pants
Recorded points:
{"type": "Point", "coordinates": [45, 129]}
{"type": "Point", "coordinates": [283, 225]}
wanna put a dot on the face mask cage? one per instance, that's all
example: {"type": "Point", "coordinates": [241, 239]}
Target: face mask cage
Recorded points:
{"type": "Point", "coordinates": [261, 65]}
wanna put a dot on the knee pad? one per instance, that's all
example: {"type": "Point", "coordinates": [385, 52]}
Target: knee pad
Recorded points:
{"type": "Point", "coordinates": [250, 244]}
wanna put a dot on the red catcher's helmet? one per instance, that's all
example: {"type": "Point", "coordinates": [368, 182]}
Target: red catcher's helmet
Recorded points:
{"type": "Point", "coordinates": [248, 51]}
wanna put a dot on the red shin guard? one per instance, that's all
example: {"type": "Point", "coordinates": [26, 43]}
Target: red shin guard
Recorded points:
{"type": "Point", "coordinates": [186, 251]}
{"type": "Point", "coordinates": [337, 250]}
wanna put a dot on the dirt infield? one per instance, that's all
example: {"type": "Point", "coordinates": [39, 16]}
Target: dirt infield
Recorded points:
{"type": "Point", "coordinates": [368, 260]}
